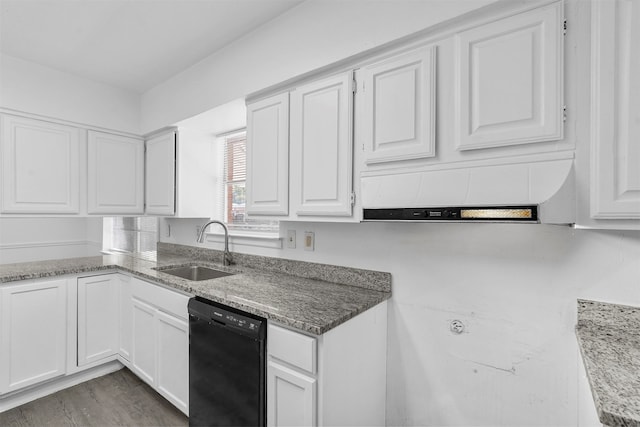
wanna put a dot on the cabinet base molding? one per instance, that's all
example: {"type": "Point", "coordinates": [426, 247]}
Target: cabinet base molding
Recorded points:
{"type": "Point", "coordinates": [21, 397]}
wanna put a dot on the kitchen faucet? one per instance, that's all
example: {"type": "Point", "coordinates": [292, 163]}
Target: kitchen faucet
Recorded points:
{"type": "Point", "coordinates": [227, 259]}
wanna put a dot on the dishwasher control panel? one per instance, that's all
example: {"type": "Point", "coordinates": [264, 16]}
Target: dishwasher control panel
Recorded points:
{"type": "Point", "coordinates": [235, 320]}
{"type": "Point", "coordinates": [227, 317]}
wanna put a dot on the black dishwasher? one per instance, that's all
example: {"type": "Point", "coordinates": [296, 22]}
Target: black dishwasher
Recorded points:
{"type": "Point", "coordinates": [227, 365]}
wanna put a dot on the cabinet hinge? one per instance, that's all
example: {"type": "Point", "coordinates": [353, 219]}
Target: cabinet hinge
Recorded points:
{"type": "Point", "coordinates": [564, 27]}
{"type": "Point", "coordinates": [354, 84]}
{"type": "Point", "coordinates": [564, 113]}
{"type": "Point", "coordinates": [353, 199]}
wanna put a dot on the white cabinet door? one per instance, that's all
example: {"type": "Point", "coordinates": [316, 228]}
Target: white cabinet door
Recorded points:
{"type": "Point", "coordinates": [268, 156]}
{"type": "Point", "coordinates": [291, 397]}
{"type": "Point", "coordinates": [143, 349]}
{"type": "Point", "coordinates": [160, 341]}
{"type": "Point", "coordinates": [173, 359]}
{"type": "Point", "coordinates": [399, 107]}
{"type": "Point", "coordinates": [33, 340]}
{"type": "Point", "coordinates": [322, 147]}
{"type": "Point", "coordinates": [125, 307]}
{"type": "Point", "coordinates": [115, 174]}
{"type": "Point", "coordinates": [97, 318]}
{"type": "Point", "coordinates": [509, 87]}
{"type": "Point", "coordinates": [160, 173]}
{"type": "Point", "coordinates": [615, 116]}
{"type": "Point", "coordinates": [40, 167]}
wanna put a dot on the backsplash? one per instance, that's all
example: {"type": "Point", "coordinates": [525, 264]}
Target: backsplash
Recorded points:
{"type": "Point", "coordinates": [367, 279]}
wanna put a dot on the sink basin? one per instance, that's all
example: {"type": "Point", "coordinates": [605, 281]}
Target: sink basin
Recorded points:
{"type": "Point", "coordinates": [195, 272]}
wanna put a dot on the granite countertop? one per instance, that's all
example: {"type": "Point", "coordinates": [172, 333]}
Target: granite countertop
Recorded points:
{"type": "Point", "coordinates": [609, 340]}
{"type": "Point", "coordinates": [310, 297]}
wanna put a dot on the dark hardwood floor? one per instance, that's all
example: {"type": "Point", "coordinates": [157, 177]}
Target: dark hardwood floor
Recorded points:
{"type": "Point", "coordinates": [117, 399]}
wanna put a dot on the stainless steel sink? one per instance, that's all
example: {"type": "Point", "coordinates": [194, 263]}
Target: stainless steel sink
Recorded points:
{"type": "Point", "coordinates": [195, 272]}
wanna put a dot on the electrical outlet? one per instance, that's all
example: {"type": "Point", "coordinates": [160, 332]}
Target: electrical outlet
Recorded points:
{"type": "Point", "coordinates": [291, 239]}
{"type": "Point", "coordinates": [309, 241]}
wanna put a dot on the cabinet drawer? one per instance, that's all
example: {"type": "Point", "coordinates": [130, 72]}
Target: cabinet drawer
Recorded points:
{"type": "Point", "coordinates": [294, 348]}
{"type": "Point", "coordinates": [165, 299]}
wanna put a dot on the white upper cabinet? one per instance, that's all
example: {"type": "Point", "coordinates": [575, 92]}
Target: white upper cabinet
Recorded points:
{"type": "Point", "coordinates": [160, 172]}
{"type": "Point", "coordinates": [268, 156]}
{"type": "Point", "coordinates": [321, 162]}
{"type": "Point", "coordinates": [115, 174]}
{"type": "Point", "coordinates": [399, 107]}
{"type": "Point", "coordinates": [509, 87]}
{"type": "Point", "coordinates": [615, 110]}
{"type": "Point", "coordinates": [40, 167]}
{"type": "Point", "coordinates": [180, 174]}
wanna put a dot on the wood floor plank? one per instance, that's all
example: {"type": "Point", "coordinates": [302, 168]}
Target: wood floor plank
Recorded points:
{"type": "Point", "coordinates": [117, 399]}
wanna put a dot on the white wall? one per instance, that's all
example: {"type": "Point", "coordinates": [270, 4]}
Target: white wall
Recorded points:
{"type": "Point", "coordinates": [32, 88]}
{"type": "Point", "coordinates": [514, 287]}
{"type": "Point", "coordinates": [311, 35]}
{"type": "Point", "coordinates": [35, 239]}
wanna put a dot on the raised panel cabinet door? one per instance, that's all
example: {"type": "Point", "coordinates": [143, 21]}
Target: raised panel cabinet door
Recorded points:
{"type": "Point", "coordinates": [97, 318]}
{"type": "Point", "coordinates": [125, 307]}
{"type": "Point", "coordinates": [115, 174]}
{"type": "Point", "coordinates": [399, 107]}
{"type": "Point", "coordinates": [40, 167]}
{"type": "Point", "coordinates": [160, 174]}
{"type": "Point", "coordinates": [615, 110]}
{"type": "Point", "coordinates": [291, 397]}
{"type": "Point", "coordinates": [143, 344]}
{"type": "Point", "coordinates": [33, 332]}
{"type": "Point", "coordinates": [322, 147]}
{"type": "Point", "coordinates": [268, 156]}
{"type": "Point", "coordinates": [173, 360]}
{"type": "Point", "coordinates": [509, 87]}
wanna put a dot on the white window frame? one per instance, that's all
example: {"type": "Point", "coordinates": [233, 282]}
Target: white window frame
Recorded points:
{"type": "Point", "coordinates": [249, 237]}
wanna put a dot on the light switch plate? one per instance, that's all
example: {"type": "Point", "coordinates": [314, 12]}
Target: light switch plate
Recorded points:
{"type": "Point", "coordinates": [309, 241]}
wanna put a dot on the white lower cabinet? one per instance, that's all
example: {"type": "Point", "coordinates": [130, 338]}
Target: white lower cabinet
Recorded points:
{"type": "Point", "coordinates": [33, 333]}
{"type": "Point", "coordinates": [335, 379]}
{"type": "Point", "coordinates": [172, 364]}
{"type": "Point", "coordinates": [291, 397]}
{"type": "Point", "coordinates": [143, 350]}
{"type": "Point", "coordinates": [125, 315]}
{"type": "Point", "coordinates": [118, 317]}
{"type": "Point", "coordinates": [160, 341]}
{"type": "Point", "coordinates": [98, 307]}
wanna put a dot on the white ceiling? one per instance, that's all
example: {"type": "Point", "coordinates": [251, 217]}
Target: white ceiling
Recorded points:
{"type": "Point", "coordinates": [131, 44]}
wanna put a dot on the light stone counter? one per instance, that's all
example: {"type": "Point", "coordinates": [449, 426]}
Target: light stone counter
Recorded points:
{"type": "Point", "coordinates": [313, 298]}
{"type": "Point", "coordinates": [609, 340]}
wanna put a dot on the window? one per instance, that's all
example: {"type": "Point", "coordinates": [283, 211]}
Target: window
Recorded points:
{"type": "Point", "coordinates": [234, 177]}
{"type": "Point", "coordinates": [130, 235]}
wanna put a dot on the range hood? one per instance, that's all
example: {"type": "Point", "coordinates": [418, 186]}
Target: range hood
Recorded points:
{"type": "Point", "coordinates": [541, 191]}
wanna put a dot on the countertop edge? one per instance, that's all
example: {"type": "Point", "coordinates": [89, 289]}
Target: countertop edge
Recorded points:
{"type": "Point", "coordinates": [311, 328]}
{"type": "Point", "coordinates": [607, 415]}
